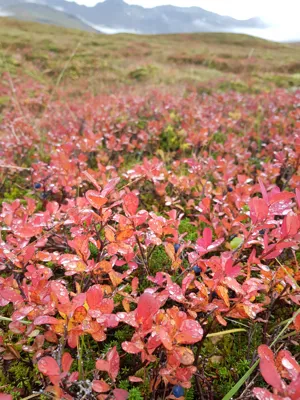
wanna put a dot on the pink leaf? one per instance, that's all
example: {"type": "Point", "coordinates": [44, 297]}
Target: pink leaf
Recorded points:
{"type": "Point", "coordinates": [102, 365]}
{"type": "Point", "coordinates": [131, 348]}
{"type": "Point", "coordinates": [60, 291]}
{"type": "Point", "coordinates": [290, 225]}
{"type": "Point", "coordinates": [264, 394]}
{"type": "Point", "coordinates": [289, 363]}
{"type": "Point", "coordinates": [4, 396]}
{"type": "Point", "coordinates": [45, 319]}
{"type": "Point", "coordinates": [263, 191]}
{"type": "Point", "coordinates": [135, 379]}
{"type": "Point", "coordinates": [258, 210]}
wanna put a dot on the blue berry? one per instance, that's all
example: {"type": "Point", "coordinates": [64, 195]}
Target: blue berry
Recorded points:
{"type": "Point", "coordinates": [214, 295]}
{"type": "Point", "coordinates": [178, 391]}
{"type": "Point", "coordinates": [176, 247]}
{"type": "Point", "coordinates": [197, 270]}
{"type": "Point", "coordinates": [45, 195]}
{"type": "Point", "coordinates": [230, 189]}
{"type": "Point", "coordinates": [37, 185]}
{"type": "Point", "coordinates": [262, 231]}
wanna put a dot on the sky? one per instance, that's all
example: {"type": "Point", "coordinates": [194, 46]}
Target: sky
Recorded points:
{"type": "Point", "coordinates": [282, 15]}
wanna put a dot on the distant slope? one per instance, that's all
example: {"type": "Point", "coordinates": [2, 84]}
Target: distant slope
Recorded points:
{"type": "Point", "coordinates": [117, 15]}
{"type": "Point", "coordinates": [105, 63]}
{"type": "Point", "coordinates": [44, 14]}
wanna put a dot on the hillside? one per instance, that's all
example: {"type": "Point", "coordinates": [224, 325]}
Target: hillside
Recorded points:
{"type": "Point", "coordinates": [196, 60]}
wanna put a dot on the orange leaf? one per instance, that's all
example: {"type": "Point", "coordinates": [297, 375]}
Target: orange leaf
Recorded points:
{"type": "Point", "coordinates": [124, 235]}
{"type": "Point", "coordinates": [95, 199]}
{"type": "Point", "coordinates": [222, 292]}
{"type": "Point", "coordinates": [80, 314]}
{"type": "Point", "coordinates": [170, 251]}
{"type": "Point", "coordinates": [109, 234]}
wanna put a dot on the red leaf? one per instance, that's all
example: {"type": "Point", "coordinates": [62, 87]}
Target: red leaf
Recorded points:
{"type": "Point", "coordinates": [131, 203]}
{"type": "Point", "coordinates": [48, 366]}
{"type": "Point", "coordinates": [94, 296]}
{"type": "Point", "coordinates": [268, 368]}
{"type": "Point", "coordinates": [297, 323]}
{"type": "Point", "coordinates": [289, 363]}
{"type": "Point", "coordinates": [258, 209]}
{"type": "Point", "coordinates": [120, 394]}
{"type": "Point", "coordinates": [281, 197]}
{"type": "Point", "coordinates": [190, 332]}
{"type": "Point", "coordinates": [95, 199]}
{"type": "Point", "coordinates": [66, 362]}
{"type": "Point", "coordinates": [100, 386]}
{"type": "Point", "coordinates": [147, 307]}
{"type": "Point", "coordinates": [113, 359]}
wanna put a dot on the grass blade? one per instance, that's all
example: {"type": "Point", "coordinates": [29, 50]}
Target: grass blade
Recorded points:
{"type": "Point", "coordinates": [226, 332]}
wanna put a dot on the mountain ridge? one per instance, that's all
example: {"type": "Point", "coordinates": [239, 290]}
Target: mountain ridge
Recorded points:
{"type": "Point", "coordinates": [117, 15]}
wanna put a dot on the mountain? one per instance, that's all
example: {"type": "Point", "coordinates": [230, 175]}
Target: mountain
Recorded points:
{"type": "Point", "coordinates": [44, 14]}
{"type": "Point", "coordinates": [117, 16]}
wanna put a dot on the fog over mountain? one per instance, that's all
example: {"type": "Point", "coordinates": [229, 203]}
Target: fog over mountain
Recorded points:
{"type": "Point", "coordinates": [114, 16]}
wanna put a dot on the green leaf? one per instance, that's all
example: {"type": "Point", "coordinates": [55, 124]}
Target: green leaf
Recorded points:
{"type": "Point", "coordinates": [236, 242]}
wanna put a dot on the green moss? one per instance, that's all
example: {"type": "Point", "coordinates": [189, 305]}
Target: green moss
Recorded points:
{"type": "Point", "coordinates": [159, 260]}
{"type": "Point", "coordinates": [170, 139]}
{"type": "Point", "coordinates": [187, 227]}
{"type": "Point", "coordinates": [229, 358]}
{"type": "Point", "coordinates": [19, 377]}
{"type": "Point", "coordinates": [135, 394]}
{"type": "Point", "coordinates": [219, 138]}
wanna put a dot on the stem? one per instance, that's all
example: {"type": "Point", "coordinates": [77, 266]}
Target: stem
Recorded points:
{"type": "Point", "coordinates": [10, 320]}
{"type": "Point", "coordinates": [142, 254]}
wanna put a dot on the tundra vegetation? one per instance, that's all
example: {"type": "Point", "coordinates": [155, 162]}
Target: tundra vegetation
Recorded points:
{"type": "Point", "coordinates": [150, 216]}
